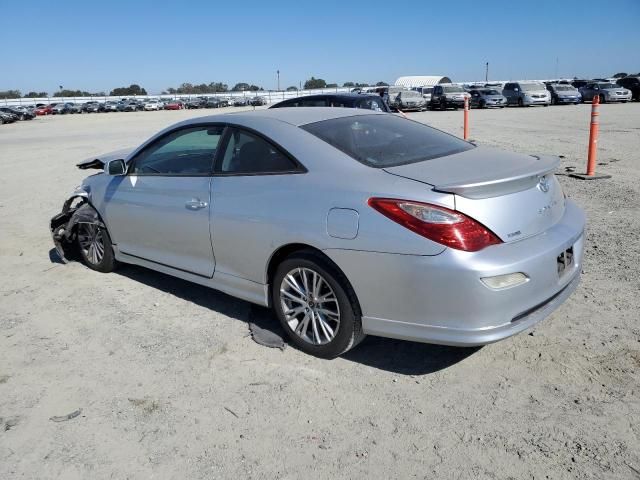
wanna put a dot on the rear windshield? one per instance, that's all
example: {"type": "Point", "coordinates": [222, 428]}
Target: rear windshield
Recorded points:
{"type": "Point", "coordinates": [382, 141]}
{"type": "Point", "coordinates": [452, 89]}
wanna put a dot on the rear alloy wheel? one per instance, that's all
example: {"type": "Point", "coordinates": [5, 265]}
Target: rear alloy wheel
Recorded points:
{"type": "Point", "coordinates": [95, 247]}
{"type": "Point", "coordinates": [316, 305]}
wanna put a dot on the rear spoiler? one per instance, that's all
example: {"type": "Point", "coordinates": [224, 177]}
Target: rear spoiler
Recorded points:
{"type": "Point", "coordinates": [516, 182]}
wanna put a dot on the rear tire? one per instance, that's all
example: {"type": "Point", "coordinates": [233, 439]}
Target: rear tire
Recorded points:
{"type": "Point", "coordinates": [520, 103]}
{"type": "Point", "coordinates": [322, 313]}
{"type": "Point", "coordinates": [603, 99]}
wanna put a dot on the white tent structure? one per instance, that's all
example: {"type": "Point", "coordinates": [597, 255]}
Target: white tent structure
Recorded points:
{"type": "Point", "coordinates": [421, 81]}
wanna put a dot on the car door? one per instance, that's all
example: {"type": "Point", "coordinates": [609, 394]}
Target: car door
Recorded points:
{"type": "Point", "coordinates": [160, 210]}
{"type": "Point", "coordinates": [253, 190]}
{"type": "Point", "coordinates": [507, 91]}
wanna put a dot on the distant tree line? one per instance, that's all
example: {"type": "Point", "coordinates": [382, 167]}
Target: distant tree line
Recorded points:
{"type": "Point", "coordinates": [320, 83]}
{"type": "Point", "coordinates": [213, 87]}
{"type": "Point", "coordinates": [76, 93]}
{"type": "Point", "coordinates": [133, 89]}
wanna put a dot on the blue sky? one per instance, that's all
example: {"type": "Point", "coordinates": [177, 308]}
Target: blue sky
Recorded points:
{"type": "Point", "coordinates": [93, 45]}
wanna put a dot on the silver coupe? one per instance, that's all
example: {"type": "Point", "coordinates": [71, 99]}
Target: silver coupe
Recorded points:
{"type": "Point", "coordinates": [346, 222]}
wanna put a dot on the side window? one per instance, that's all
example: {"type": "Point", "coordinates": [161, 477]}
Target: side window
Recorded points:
{"type": "Point", "coordinates": [313, 103]}
{"type": "Point", "coordinates": [249, 154]}
{"type": "Point", "coordinates": [371, 103]}
{"type": "Point", "coordinates": [188, 151]}
{"type": "Point", "coordinates": [508, 87]}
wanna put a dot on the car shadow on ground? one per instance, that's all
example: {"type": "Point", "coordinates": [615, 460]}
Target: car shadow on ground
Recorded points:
{"type": "Point", "coordinates": [395, 356]}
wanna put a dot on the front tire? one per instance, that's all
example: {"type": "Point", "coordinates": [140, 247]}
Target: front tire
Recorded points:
{"type": "Point", "coordinates": [520, 103]}
{"type": "Point", "coordinates": [94, 245]}
{"type": "Point", "coordinates": [316, 305]}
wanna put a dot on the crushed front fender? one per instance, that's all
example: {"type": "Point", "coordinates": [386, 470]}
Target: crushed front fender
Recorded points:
{"type": "Point", "coordinates": [63, 225]}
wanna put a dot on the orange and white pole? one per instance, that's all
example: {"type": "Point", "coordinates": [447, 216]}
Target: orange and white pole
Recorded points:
{"type": "Point", "coordinates": [593, 136]}
{"type": "Point", "coordinates": [466, 117]}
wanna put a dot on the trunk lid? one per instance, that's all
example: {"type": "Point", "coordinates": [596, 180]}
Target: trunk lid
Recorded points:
{"type": "Point", "coordinates": [514, 195]}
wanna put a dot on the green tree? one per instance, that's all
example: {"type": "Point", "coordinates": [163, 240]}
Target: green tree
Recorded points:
{"type": "Point", "coordinates": [133, 89]}
{"type": "Point", "coordinates": [314, 83]}
{"type": "Point", "coordinates": [292, 89]}
{"type": "Point", "coordinates": [10, 94]}
{"type": "Point", "coordinates": [240, 87]}
{"type": "Point", "coordinates": [348, 84]}
{"type": "Point", "coordinates": [36, 95]}
{"type": "Point", "coordinates": [382, 84]}
{"type": "Point", "coordinates": [71, 93]}
{"type": "Point", "coordinates": [332, 85]}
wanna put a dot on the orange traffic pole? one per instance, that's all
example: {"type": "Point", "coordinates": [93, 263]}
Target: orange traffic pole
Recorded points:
{"type": "Point", "coordinates": [593, 136]}
{"type": "Point", "coordinates": [466, 117]}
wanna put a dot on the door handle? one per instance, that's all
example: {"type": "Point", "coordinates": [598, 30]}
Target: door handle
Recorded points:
{"type": "Point", "coordinates": [196, 204]}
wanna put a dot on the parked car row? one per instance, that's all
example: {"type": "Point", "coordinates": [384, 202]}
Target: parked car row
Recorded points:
{"type": "Point", "coordinates": [528, 93]}
{"type": "Point", "coordinates": [27, 112]}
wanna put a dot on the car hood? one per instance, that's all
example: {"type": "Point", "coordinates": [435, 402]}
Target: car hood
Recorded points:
{"type": "Point", "coordinates": [100, 161]}
{"type": "Point", "coordinates": [568, 94]}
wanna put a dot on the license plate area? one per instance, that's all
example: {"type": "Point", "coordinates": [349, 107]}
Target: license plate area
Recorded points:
{"type": "Point", "coordinates": [565, 261]}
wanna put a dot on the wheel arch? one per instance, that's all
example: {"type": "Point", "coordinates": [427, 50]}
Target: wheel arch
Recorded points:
{"type": "Point", "coordinates": [285, 251]}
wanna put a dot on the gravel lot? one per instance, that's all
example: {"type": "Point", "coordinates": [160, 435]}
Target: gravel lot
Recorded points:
{"type": "Point", "coordinates": [171, 386]}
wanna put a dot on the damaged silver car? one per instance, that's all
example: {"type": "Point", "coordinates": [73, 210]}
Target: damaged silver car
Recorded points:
{"type": "Point", "coordinates": [346, 222]}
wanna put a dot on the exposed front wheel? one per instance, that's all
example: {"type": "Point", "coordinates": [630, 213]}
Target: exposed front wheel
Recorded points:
{"type": "Point", "coordinates": [95, 247]}
{"type": "Point", "coordinates": [316, 305]}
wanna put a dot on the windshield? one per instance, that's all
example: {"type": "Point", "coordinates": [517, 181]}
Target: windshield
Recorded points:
{"type": "Point", "coordinates": [452, 89]}
{"type": "Point", "coordinates": [564, 88]}
{"type": "Point", "coordinates": [532, 87]}
{"type": "Point", "coordinates": [382, 141]}
{"type": "Point", "coordinates": [607, 86]}
{"type": "Point", "coordinates": [490, 92]}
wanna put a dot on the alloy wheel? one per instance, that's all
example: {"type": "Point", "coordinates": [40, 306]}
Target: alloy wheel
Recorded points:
{"type": "Point", "coordinates": [91, 240]}
{"type": "Point", "coordinates": [310, 306]}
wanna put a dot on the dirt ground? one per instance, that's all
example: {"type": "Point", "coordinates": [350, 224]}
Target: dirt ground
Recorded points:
{"type": "Point", "coordinates": [171, 386]}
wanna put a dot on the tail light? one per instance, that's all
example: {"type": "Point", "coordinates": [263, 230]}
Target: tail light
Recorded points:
{"type": "Point", "coordinates": [447, 227]}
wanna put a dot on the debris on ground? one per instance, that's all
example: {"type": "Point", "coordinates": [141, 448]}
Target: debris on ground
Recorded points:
{"type": "Point", "coordinates": [266, 337]}
{"type": "Point", "coordinates": [68, 416]}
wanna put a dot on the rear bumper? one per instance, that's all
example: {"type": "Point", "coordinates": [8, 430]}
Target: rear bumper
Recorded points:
{"type": "Point", "coordinates": [441, 299]}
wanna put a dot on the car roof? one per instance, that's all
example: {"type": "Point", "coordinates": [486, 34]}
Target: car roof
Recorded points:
{"type": "Point", "coordinates": [296, 116]}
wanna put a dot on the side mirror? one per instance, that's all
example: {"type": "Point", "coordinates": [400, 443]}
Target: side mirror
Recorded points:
{"type": "Point", "coordinates": [116, 167]}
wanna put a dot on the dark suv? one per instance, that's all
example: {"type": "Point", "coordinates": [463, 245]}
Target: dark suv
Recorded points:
{"type": "Point", "coordinates": [447, 96]}
{"type": "Point", "coordinates": [633, 84]}
{"type": "Point", "coordinates": [348, 100]}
